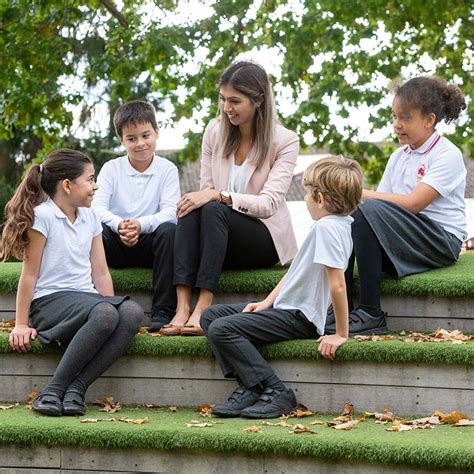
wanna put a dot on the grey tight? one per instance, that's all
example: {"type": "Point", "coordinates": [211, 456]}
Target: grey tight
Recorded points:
{"type": "Point", "coordinates": [106, 335]}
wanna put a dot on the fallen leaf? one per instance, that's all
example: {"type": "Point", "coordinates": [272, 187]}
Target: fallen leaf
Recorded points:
{"type": "Point", "coordinates": [429, 420]}
{"type": "Point", "coordinates": [464, 422]}
{"type": "Point", "coordinates": [374, 337]}
{"type": "Point", "coordinates": [452, 417]}
{"type": "Point", "coordinates": [173, 409]}
{"type": "Point", "coordinates": [301, 429]}
{"type": "Point", "coordinates": [7, 326]}
{"type": "Point", "coordinates": [317, 422]}
{"type": "Point", "coordinates": [385, 416]}
{"type": "Point", "coordinates": [108, 405]}
{"type": "Point", "coordinates": [96, 420]}
{"type": "Point", "coordinates": [31, 396]}
{"type": "Point", "coordinates": [298, 413]}
{"type": "Point", "coordinates": [142, 330]}
{"type": "Point", "coordinates": [343, 419]}
{"type": "Point", "coordinates": [348, 407]}
{"type": "Point", "coordinates": [205, 410]}
{"type": "Point", "coordinates": [345, 426]}
{"type": "Point", "coordinates": [152, 405]}
{"type": "Point", "coordinates": [280, 423]}
{"type": "Point", "coordinates": [6, 407]}
{"type": "Point", "coordinates": [253, 429]}
{"type": "Point", "coordinates": [135, 421]}
{"type": "Point", "coordinates": [195, 424]}
{"type": "Point", "coordinates": [400, 427]}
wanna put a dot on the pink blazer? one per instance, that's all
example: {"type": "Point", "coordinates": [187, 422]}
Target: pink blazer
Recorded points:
{"type": "Point", "coordinates": [266, 187]}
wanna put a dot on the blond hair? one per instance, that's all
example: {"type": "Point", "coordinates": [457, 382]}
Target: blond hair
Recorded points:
{"type": "Point", "coordinates": [339, 180]}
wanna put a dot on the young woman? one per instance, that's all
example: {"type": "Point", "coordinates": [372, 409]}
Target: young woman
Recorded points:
{"type": "Point", "coordinates": [65, 292]}
{"type": "Point", "coordinates": [239, 218]}
{"type": "Point", "coordinates": [416, 220]}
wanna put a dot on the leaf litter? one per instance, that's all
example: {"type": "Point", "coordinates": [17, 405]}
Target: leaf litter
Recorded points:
{"type": "Point", "coordinates": [440, 335]}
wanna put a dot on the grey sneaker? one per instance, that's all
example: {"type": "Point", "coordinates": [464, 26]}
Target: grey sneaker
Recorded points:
{"type": "Point", "coordinates": [240, 398]}
{"type": "Point", "coordinates": [271, 404]}
{"type": "Point", "coordinates": [362, 322]}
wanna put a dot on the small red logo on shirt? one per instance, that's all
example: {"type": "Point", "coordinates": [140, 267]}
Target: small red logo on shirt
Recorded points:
{"type": "Point", "coordinates": [421, 172]}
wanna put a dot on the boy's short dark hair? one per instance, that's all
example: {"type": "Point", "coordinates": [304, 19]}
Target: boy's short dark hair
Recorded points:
{"type": "Point", "coordinates": [134, 112]}
{"type": "Point", "coordinates": [339, 180]}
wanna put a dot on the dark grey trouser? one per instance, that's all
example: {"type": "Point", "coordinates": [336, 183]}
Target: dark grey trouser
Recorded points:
{"type": "Point", "coordinates": [233, 336]}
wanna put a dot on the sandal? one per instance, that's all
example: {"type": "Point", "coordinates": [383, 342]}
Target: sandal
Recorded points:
{"type": "Point", "coordinates": [48, 404]}
{"type": "Point", "coordinates": [190, 330]}
{"type": "Point", "coordinates": [170, 330]}
{"type": "Point", "coordinates": [74, 403]}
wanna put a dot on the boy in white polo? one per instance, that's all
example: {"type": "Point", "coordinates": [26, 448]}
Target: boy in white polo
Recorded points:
{"type": "Point", "coordinates": [136, 203]}
{"type": "Point", "coordinates": [297, 307]}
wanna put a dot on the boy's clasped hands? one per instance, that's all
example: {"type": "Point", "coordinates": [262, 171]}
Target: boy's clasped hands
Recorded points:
{"type": "Point", "coordinates": [129, 231]}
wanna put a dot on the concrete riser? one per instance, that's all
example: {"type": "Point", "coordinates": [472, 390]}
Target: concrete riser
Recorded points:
{"type": "Point", "coordinates": [408, 389]}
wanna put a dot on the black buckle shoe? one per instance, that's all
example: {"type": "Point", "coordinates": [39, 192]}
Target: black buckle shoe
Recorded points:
{"type": "Point", "coordinates": [74, 403]}
{"type": "Point", "coordinates": [240, 398]}
{"type": "Point", "coordinates": [362, 322]}
{"type": "Point", "coordinates": [159, 318]}
{"type": "Point", "coordinates": [48, 404]}
{"type": "Point", "coordinates": [272, 404]}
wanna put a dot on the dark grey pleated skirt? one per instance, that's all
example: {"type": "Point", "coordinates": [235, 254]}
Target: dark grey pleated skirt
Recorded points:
{"type": "Point", "coordinates": [57, 317]}
{"type": "Point", "coordinates": [413, 242]}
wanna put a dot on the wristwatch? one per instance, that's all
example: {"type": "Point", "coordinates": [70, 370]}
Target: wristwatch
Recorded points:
{"type": "Point", "coordinates": [225, 198]}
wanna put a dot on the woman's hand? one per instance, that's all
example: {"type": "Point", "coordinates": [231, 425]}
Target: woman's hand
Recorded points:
{"type": "Point", "coordinates": [20, 337]}
{"type": "Point", "coordinates": [195, 200]}
{"type": "Point", "coordinates": [255, 307]}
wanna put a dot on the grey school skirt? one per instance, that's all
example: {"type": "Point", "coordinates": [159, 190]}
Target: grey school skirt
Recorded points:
{"type": "Point", "coordinates": [413, 242]}
{"type": "Point", "coordinates": [57, 317]}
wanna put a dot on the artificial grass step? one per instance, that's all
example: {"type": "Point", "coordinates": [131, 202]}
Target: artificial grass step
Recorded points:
{"type": "Point", "coordinates": [443, 447]}
{"type": "Point", "coordinates": [387, 351]}
{"type": "Point", "coordinates": [454, 281]}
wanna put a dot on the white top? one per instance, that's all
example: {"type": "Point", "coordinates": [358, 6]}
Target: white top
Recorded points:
{"type": "Point", "coordinates": [124, 192]}
{"type": "Point", "coordinates": [439, 164]}
{"type": "Point", "coordinates": [65, 264]}
{"type": "Point", "coordinates": [238, 177]}
{"type": "Point", "coordinates": [306, 286]}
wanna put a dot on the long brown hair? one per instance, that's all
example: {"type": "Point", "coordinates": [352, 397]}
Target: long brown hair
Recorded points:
{"type": "Point", "coordinates": [39, 183]}
{"type": "Point", "coordinates": [249, 79]}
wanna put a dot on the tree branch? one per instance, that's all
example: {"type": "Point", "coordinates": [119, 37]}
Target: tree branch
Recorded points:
{"type": "Point", "coordinates": [112, 9]}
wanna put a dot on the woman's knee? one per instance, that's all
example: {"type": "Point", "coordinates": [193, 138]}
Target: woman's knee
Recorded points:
{"type": "Point", "coordinates": [213, 210]}
{"type": "Point", "coordinates": [105, 317]}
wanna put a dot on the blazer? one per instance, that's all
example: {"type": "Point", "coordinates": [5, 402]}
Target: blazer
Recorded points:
{"type": "Point", "coordinates": [266, 187]}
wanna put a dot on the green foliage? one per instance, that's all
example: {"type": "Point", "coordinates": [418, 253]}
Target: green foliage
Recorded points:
{"type": "Point", "coordinates": [336, 56]}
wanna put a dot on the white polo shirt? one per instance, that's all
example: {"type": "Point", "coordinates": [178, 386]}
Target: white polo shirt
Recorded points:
{"type": "Point", "coordinates": [306, 285]}
{"type": "Point", "coordinates": [439, 164]}
{"type": "Point", "coordinates": [65, 264]}
{"type": "Point", "coordinates": [124, 192]}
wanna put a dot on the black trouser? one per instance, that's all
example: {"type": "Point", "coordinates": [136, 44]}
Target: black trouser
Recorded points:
{"type": "Point", "coordinates": [154, 250]}
{"type": "Point", "coordinates": [233, 336]}
{"type": "Point", "coordinates": [215, 236]}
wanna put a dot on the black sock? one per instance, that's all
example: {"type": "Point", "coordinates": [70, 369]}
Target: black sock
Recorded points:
{"type": "Point", "coordinates": [375, 312]}
{"type": "Point", "coordinates": [274, 382]}
{"type": "Point", "coordinates": [256, 389]}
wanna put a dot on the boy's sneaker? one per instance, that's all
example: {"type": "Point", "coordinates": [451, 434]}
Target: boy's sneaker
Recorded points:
{"type": "Point", "coordinates": [240, 398]}
{"type": "Point", "coordinates": [362, 322]}
{"type": "Point", "coordinates": [159, 318]}
{"type": "Point", "coordinates": [271, 404]}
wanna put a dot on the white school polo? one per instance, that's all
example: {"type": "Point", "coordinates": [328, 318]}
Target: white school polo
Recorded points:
{"type": "Point", "coordinates": [439, 164]}
{"type": "Point", "coordinates": [65, 264]}
{"type": "Point", "coordinates": [306, 285]}
{"type": "Point", "coordinates": [124, 192]}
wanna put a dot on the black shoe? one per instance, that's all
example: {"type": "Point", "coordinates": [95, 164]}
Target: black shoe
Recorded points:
{"type": "Point", "coordinates": [48, 404]}
{"type": "Point", "coordinates": [159, 318]}
{"type": "Point", "coordinates": [74, 403]}
{"type": "Point", "coordinates": [241, 398]}
{"type": "Point", "coordinates": [272, 404]}
{"type": "Point", "coordinates": [362, 322]}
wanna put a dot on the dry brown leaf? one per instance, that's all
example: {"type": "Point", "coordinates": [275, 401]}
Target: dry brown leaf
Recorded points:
{"type": "Point", "coordinates": [429, 420]}
{"type": "Point", "coordinates": [280, 423]}
{"type": "Point", "coordinates": [173, 409]}
{"type": "Point", "coordinates": [135, 421]}
{"type": "Point", "coordinates": [7, 326]}
{"type": "Point", "coordinates": [387, 415]}
{"type": "Point", "coordinates": [6, 407]}
{"type": "Point", "coordinates": [298, 413]}
{"type": "Point", "coordinates": [318, 422]}
{"type": "Point", "coordinates": [374, 337]}
{"type": "Point", "coordinates": [342, 418]}
{"type": "Point", "coordinates": [348, 408]}
{"type": "Point", "coordinates": [452, 417]}
{"type": "Point", "coordinates": [108, 405]}
{"type": "Point", "coordinates": [205, 410]}
{"type": "Point", "coordinates": [142, 330]}
{"type": "Point", "coordinates": [301, 429]}
{"type": "Point", "coordinates": [96, 420]}
{"type": "Point", "coordinates": [345, 426]}
{"type": "Point", "coordinates": [197, 424]}
{"type": "Point", "coordinates": [464, 422]}
{"type": "Point", "coordinates": [400, 427]}
{"type": "Point", "coordinates": [31, 396]}
{"type": "Point", "coordinates": [152, 405]}
{"type": "Point", "coordinates": [253, 429]}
